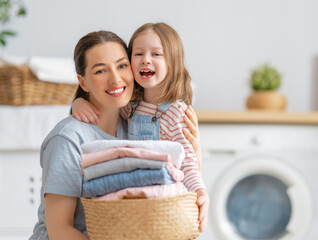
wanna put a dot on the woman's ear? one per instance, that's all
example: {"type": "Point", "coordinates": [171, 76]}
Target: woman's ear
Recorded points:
{"type": "Point", "coordinates": [81, 82]}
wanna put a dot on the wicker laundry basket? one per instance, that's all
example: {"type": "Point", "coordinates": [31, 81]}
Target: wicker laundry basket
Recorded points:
{"type": "Point", "coordinates": [19, 86]}
{"type": "Point", "coordinates": [172, 218]}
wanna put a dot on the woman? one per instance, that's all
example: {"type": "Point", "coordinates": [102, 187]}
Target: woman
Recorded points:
{"type": "Point", "coordinates": [105, 77]}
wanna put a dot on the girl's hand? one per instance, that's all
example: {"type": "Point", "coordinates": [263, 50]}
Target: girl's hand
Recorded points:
{"type": "Point", "coordinates": [193, 135]}
{"type": "Point", "coordinates": [203, 204]}
{"type": "Point", "coordinates": [84, 111]}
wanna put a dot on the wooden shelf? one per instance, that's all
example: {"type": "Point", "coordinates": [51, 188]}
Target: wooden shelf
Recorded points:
{"type": "Point", "coordinates": [258, 117]}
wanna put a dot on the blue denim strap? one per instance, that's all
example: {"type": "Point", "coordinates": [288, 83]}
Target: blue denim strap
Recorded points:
{"type": "Point", "coordinates": [135, 105]}
{"type": "Point", "coordinates": [164, 106]}
{"type": "Point", "coordinates": [133, 108]}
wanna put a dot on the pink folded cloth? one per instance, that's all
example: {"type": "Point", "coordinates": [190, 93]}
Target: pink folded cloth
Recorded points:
{"type": "Point", "coordinates": [175, 149]}
{"type": "Point", "coordinates": [89, 159]}
{"type": "Point", "coordinates": [175, 173]}
{"type": "Point", "coordinates": [155, 191]}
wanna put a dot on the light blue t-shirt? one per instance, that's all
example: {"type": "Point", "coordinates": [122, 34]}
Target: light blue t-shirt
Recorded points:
{"type": "Point", "coordinates": [60, 159]}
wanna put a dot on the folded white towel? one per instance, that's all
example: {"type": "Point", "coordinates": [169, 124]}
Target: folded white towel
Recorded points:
{"type": "Point", "coordinates": [57, 70]}
{"type": "Point", "coordinates": [175, 149]}
{"type": "Point", "coordinates": [12, 59]}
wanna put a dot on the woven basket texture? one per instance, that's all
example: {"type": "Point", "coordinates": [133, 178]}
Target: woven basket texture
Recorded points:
{"type": "Point", "coordinates": [172, 218]}
{"type": "Point", "coordinates": [19, 86]}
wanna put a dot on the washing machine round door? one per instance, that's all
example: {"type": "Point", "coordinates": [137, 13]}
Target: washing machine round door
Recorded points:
{"type": "Point", "coordinates": [261, 197]}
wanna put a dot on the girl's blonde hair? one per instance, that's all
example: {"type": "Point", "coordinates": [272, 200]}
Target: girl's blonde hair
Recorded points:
{"type": "Point", "coordinates": [176, 85]}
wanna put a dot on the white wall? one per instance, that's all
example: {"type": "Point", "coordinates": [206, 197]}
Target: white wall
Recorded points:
{"type": "Point", "coordinates": [314, 57]}
{"type": "Point", "coordinates": [223, 40]}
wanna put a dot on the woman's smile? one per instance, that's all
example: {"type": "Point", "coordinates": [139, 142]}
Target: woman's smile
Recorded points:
{"type": "Point", "coordinates": [116, 92]}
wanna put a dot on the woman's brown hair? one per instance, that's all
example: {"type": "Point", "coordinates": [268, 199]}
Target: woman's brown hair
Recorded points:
{"type": "Point", "coordinates": [176, 85]}
{"type": "Point", "coordinates": [85, 43]}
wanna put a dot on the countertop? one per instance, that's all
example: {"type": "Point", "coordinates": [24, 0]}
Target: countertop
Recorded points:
{"type": "Point", "coordinates": [25, 127]}
{"type": "Point", "coordinates": [257, 117]}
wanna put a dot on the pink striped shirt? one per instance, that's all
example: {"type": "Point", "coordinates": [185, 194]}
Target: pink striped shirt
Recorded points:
{"type": "Point", "coordinates": [171, 125]}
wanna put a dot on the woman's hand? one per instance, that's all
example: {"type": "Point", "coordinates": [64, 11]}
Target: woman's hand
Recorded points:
{"type": "Point", "coordinates": [59, 217]}
{"type": "Point", "coordinates": [203, 203]}
{"type": "Point", "coordinates": [84, 111]}
{"type": "Point", "coordinates": [193, 135]}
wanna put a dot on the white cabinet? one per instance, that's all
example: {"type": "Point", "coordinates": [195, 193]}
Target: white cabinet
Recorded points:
{"type": "Point", "coordinates": [14, 238]}
{"type": "Point", "coordinates": [22, 130]}
{"type": "Point", "coordinates": [20, 183]}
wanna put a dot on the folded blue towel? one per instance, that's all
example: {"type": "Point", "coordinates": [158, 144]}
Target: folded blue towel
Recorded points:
{"type": "Point", "coordinates": [114, 182]}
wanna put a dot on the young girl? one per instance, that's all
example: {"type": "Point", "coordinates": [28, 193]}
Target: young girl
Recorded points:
{"type": "Point", "coordinates": [161, 95]}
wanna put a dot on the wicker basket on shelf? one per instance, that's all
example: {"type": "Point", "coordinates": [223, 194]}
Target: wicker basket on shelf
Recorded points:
{"type": "Point", "coordinates": [19, 86]}
{"type": "Point", "coordinates": [172, 218]}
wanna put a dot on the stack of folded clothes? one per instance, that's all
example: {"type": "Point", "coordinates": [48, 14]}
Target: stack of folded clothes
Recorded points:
{"type": "Point", "coordinates": [118, 169]}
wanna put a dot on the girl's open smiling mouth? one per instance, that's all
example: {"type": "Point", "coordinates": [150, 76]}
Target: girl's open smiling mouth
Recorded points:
{"type": "Point", "coordinates": [147, 73]}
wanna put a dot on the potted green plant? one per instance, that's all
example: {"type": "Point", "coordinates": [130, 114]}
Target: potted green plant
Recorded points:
{"type": "Point", "coordinates": [265, 80]}
{"type": "Point", "coordinates": [9, 9]}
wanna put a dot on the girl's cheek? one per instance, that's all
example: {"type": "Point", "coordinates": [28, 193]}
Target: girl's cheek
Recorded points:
{"type": "Point", "coordinates": [133, 63]}
{"type": "Point", "coordinates": [134, 68]}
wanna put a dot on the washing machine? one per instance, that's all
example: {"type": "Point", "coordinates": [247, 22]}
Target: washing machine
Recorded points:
{"type": "Point", "coordinates": [262, 180]}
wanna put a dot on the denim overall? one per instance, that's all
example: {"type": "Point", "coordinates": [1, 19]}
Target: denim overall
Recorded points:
{"type": "Point", "coordinates": [146, 127]}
